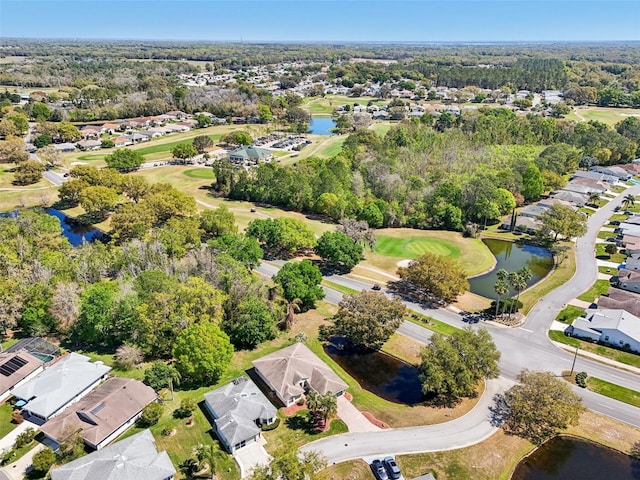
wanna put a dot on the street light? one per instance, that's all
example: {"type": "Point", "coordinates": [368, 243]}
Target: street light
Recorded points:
{"type": "Point", "coordinates": [574, 361]}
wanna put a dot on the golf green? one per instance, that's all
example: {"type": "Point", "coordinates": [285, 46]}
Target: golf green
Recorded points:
{"type": "Point", "coordinates": [413, 247]}
{"type": "Point", "coordinates": [205, 173]}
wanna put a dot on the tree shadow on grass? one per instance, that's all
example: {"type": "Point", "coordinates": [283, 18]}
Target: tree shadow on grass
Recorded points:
{"type": "Point", "coordinates": [304, 421]}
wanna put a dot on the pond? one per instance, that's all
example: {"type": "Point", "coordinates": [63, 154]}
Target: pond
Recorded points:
{"type": "Point", "coordinates": [380, 374]}
{"type": "Point", "coordinates": [322, 125]}
{"type": "Point", "coordinates": [512, 257]}
{"type": "Point", "coordinates": [572, 459]}
{"type": "Point", "coordinates": [74, 232]}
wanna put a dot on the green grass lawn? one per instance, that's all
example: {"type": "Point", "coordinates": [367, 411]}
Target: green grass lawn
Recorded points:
{"type": "Point", "coordinates": [203, 173]}
{"type": "Point", "coordinates": [614, 391]}
{"type": "Point", "coordinates": [431, 323]}
{"type": "Point", "coordinates": [569, 313]}
{"type": "Point", "coordinates": [413, 247]}
{"type": "Point", "coordinates": [608, 115]}
{"type": "Point", "coordinates": [621, 217]}
{"type": "Point", "coordinates": [299, 431]}
{"type": "Point", "coordinates": [587, 211]}
{"type": "Point", "coordinates": [604, 234]}
{"type": "Point", "coordinates": [608, 352]}
{"type": "Point", "coordinates": [339, 288]}
{"type": "Point", "coordinates": [6, 426]}
{"type": "Point", "coordinates": [602, 255]}
{"type": "Point", "coordinates": [608, 270]}
{"type": "Point", "coordinates": [599, 288]}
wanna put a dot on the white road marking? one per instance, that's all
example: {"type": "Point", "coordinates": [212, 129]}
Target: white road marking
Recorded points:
{"type": "Point", "coordinates": [605, 406]}
{"type": "Point", "coordinates": [526, 329]}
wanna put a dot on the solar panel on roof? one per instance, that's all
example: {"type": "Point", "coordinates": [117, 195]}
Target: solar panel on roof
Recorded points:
{"type": "Point", "coordinates": [98, 408]}
{"type": "Point", "coordinates": [12, 365]}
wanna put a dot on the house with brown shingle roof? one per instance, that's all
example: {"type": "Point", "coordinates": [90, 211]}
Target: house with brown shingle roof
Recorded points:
{"type": "Point", "coordinates": [17, 368]}
{"type": "Point", "coordinates": [104, 414]}
{"type": "Point", "coordinates": [629, 280]}
{"type": "Point", "coordinates": [294, 370]}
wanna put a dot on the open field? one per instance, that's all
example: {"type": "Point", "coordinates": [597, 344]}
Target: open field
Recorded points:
{"type": "Point", "coordinates": [608, 115]}
{"type": "Point", "coordinates": [405, 243]}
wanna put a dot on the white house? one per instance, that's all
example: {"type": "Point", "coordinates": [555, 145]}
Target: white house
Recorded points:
{"type": "Point", "coordinates": [615, 327]}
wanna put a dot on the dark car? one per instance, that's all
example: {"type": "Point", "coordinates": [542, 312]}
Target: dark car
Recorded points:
{"type": "Point", "coordinates": [617, 209]}
{"type": "Point", "coordinates": [377, 467]}
{"type": "Point", "coordinates": [376, 287]}
{"type": "Point", "coordinates": [392, 468]}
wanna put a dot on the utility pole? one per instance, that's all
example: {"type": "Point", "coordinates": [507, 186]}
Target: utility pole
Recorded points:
{"type": "Point", "coordinates": [574, 361]}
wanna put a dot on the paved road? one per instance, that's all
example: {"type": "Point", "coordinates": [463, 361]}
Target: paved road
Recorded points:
{"type": "Point", "coordinates": [467, 430]}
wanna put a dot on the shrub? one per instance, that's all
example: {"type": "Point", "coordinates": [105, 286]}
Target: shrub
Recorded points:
{"type": "Point", "coordinates": [43, 460]}
{"type": "Point", "coordinates": [25, 438]}
{"type": "Point", "coordinates": [581, 379]}
{"type": "Point", "coordinates": [16, 417]}
{"type": "Point", "coordinates": [187, 406]}
{"type": "Point", "coordinates": [150, 415]}
{"type": "Point", "coordinates": [610, 248]}
{"type": "Point", "coordinates": [128, 356]}
{"type": "Point", "coordinates": [273, 426]}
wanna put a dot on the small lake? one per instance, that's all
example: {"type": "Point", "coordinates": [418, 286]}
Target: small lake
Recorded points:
{"type": "Point", "coordinates": [565, 458]}
{"type": "Point", "coordinates": [76, 233]}
{"type": "Point", "coordinates": [321, 125]}
{"type": "Point", "coordinates": [512, 257]}
{"type": "Point", "coordinates": [381, 374]}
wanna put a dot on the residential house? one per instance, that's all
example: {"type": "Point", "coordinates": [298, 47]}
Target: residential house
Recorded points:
{"type": "Point", "coordinates": [632, 262]}
{"type": "Point", "coordinates": [626, 228]}
{"type": "Point", "coordinates": [615, 327]}
{"type": "Point", "coordinates": [577, 199]}
{"type": "Point", "coordinates": [188, 123]}
{"type": "Point", "coordinates": [104, 414]}
{"type": "Point", "coordinates": [523, 224]}
{"type": "Point", "coordinates": [618, 299]}
{"type": "Point", "coordinates": [630, 243]}
{"type": "Point", "coordinates": [549, 202]}
{"type": "Point", "coordinates": [122, 141]}
{"type": "Point", "coordinates": [380, 115]}
{"type": "Point", "coordinates": [629, 280]}
{"type": "Point", "coordinates": [614, 171]}
{"type": "Point", "coordinates": [17, 368]}
{"type": "Point", "coordinates": [292, 371]}
{"type": "Point", "coordinates": [64, 147]}
{"type": "Point", "coordinates": [633, 219]}
{"type": "Point", "coordinates": [633, 168]}
{"type": "Point", "coordinates": [601, 177]}
{"type": "Point", "coordinates": [249, 154]}
{"type": "Point", "coordinates": [176, 128]}
{"type": "Point", "coordinates": [134, 458]}
{"type": "Point", "coordinates": [595, 185]}
{"type": "Point", "coordinates": [177, 115]}
{"type": "Point", "coordinates": [579, 188]}
{"type": "Point", "coordinates": [239, 409]}
{"type": "Point", "coordinates": [60, 385]}
{"type": "Point", "coordinates": [37, 347]}
{"type": "Point", "coordinates": [90, 132]}
{"type": "Point", "coordinates": [137, 137]}
{"type": "Point", "coordinates": [533, 211]}
{"type": "Point", "coordinates": [110, 128]}
{"type": "Point", "coordinates": [89, 144]}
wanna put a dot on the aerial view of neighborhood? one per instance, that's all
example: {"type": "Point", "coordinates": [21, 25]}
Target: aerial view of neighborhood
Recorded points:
{"type": "Point", "coordinates": [319, 240]}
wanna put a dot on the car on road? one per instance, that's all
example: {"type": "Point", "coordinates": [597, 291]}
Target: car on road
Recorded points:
{"type": "Point", "coordinates": [376, 287]}
{"type": "Point", "coordinates": [379, 470]}
{"type": "Point", "coordinates": [392, 468]}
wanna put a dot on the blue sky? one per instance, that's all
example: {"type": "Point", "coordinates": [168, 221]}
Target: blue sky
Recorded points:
{"type": "Point", "coordinates": [320, 20]}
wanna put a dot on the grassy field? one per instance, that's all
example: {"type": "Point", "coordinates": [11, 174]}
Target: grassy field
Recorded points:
{"type": "Point", "coordinates": [6, 412]}
{"type": "Point", "coordinates": [414, 247]}
{"type": "Point", "coordinates": [599, 288]}
{"type": "Point", "coordinates": [325, 105]}
{"type": "Point", "coordinates": [569, 313]}
{"type": "Point", "coordinates": [200, 173]}
{"type": "Point", "coordinates": [612, 390]}
{"type": "Point", "coordinates": [608, 115]}
{"type": "Point", "coordinates": [608, 352]}
{"type": "Point", "coordinates": [405, 243]}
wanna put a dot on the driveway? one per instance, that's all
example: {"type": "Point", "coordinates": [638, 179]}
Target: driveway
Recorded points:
{"type": "Point", "coordinates": [355, 420]}
{"type": "Point", "coordinates": [251, 456]}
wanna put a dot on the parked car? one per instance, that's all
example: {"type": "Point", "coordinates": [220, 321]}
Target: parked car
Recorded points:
{"type": "Point", "coordinates": [379, 470]}
{"type": "Point", "coordinates": [392, 468]}
{"type": "Point", "coordinates": [376, 287]}
{"type": "Point", "coordinates": [617, 209]}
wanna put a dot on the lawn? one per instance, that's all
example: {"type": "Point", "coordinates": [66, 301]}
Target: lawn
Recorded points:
{"type": "Point", "coordinates": [405, 243]}
{"type": "Point", "coordinates": [200, 173]}
{"type": "Point", "coordinates": [600, 287]}
{"type": "Point", "coordinates": [325, 105]}
{"type": "Point", "coordinates": [608, 352]}
{"type": "Point", "coordinates": [614, 391]}
{"type": "Point", "coordinates": [608, 115]}
{"type": "Point", "coordinates": [431, 323]}
{"type": "Point", "coordinates": [602, 255]}
{"type": "Point", "coordinates": [339, 288]}
{"type": "Point", "coordinates": [6, 412]}
{"type": "Point", "coordinates": [604, 234]}
{"type": "Point", "coordinates": [414, 247]}
{"type": "Point", "coordinates": [569, 313]}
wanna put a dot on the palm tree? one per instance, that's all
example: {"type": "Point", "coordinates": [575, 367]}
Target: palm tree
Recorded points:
{"type": "Point", "coordinates": [501, 289]}
{"type": "Point", "coordinates": [519, 283]}
{"type": "Point", "coordinates": [594, 197]}
{"type": "Point", "coordinates": [329, 404]}
{"type": "Point", "coordinates": [314, 402]}
{"type": "Point", "coordinates": [628, 201]}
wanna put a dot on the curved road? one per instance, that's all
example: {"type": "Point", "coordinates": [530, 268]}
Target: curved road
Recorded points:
{"type": "Point", "coordinates": [524, 347]}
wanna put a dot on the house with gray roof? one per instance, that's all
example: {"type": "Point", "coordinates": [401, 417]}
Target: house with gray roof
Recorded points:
{"type": "Point", "coordinates": [600, 177]}
{"type": "Point", "coordinates": [58, 386]}
{"type": "Point", "coordinates": [614, 171]}
{"type": "Point", "coordinates": [577, 199]}
{"type": "Point", "coordinates": [239, 409]}
{"type": "Point", "coordinates": [249, 154]}
{"type": "Point", "coordinates": [134, 458]}
{"type": "Point", "coordinates": [104, 414]}
{"type": "Point", "coordinates": [615, 327]}
{"type": "Point", "coordinates": [618, 299]}
{"type": "Point", "coordinates": [294, 370]}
